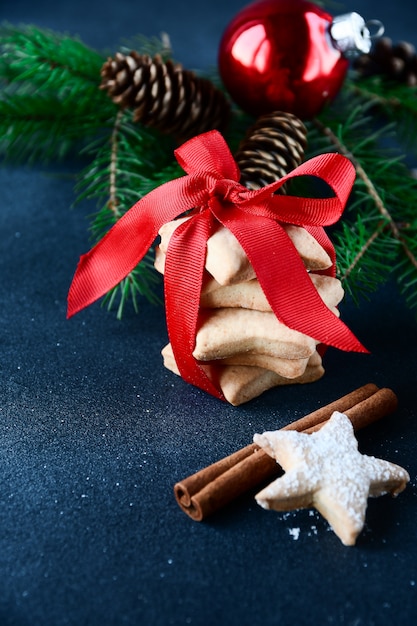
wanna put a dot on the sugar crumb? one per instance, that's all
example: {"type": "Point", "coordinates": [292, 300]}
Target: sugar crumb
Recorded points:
{"type": "Point", "coordinates": [294, 532]}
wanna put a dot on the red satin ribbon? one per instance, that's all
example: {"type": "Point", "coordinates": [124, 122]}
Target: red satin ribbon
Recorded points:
{"type": "Point", "coordinates": [211, 189]}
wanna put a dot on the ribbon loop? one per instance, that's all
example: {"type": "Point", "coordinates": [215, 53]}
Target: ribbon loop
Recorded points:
{"type": "Point", "coordinates": [212, 155]}
{"type": "Point", "coordinates": [253, 216]}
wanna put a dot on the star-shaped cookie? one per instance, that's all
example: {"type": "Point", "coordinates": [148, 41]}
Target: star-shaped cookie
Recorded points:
{"type": "Point", "coordinates": [325, 470]}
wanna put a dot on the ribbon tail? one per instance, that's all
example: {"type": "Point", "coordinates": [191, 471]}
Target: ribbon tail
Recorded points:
{"type": "Point", "coordinates": [285, 281]}
{"type": "Point", "coordinates": [184, 267]}
{"type": "Point", "coordinates": [127, 242]}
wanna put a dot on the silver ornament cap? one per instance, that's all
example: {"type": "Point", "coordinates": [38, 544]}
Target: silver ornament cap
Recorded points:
{"type": "Point", "coordinates": [352, 35]}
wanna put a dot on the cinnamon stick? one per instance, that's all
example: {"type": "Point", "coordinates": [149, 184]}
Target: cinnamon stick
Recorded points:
{"type": "Point", "coordinates": [378, 405]}
{"type": "Point", "coordinates": [208, 490]}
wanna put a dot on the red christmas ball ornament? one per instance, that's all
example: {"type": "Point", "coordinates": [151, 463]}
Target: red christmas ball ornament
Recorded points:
{"type": "Point", "coordinates": [288, 55]}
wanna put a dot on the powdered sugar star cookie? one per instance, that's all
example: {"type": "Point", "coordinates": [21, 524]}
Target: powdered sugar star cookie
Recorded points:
{"type": "Point", "coordinates": [325, 470]}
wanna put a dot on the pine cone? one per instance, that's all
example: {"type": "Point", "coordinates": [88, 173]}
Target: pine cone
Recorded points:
{"type": "Point", "coordinates": [164, 95]}
{"type": "Point", "coordinates": [272, 148]}
{"type": "Point", "coordinates": [398, 62]}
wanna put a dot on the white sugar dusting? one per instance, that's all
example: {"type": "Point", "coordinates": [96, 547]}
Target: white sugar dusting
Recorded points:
{"type": "Point", "coordinates": [329, 464]}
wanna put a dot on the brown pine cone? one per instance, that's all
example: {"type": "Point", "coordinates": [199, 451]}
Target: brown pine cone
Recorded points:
{"type": "Point", "coordinates": [398, 62]}
{"type": "Point", "coordinates": [273, 147]}
{"type": "Point", "coordinates": [164, 95]}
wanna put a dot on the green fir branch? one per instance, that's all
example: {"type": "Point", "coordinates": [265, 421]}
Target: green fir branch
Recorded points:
{"type": "Point", "coordinates": [395, 101]}
{"type": "Point", "coordinates": [127, 164]}
{"type": "Point", "coordinates": [363, 255]}
{"type": "Point", "coordinates": [43, 59]}
{"type": "Point", "coordinates": [39, 128]}
{"type": "Point", "coordinates": [51, 106]}
{"type": "Point", "coordinates": [50, 103]}
{"type": "Point", "coordinates": [405, 269]}
{"type": "Point", "coordinates": [141, 282]}
{"type": "Point", "coordinates": [378, 227]}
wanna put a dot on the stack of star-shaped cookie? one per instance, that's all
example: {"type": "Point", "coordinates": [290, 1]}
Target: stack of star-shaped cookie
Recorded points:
{"type": "Point", "coordinates": [238, 332]}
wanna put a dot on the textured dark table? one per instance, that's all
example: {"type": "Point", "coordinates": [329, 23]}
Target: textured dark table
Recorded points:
{"type": "Point", "coordinates": [94, 432]}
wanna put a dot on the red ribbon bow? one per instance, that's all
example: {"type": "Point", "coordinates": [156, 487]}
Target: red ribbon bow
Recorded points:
{"type": "Point", "coordinates": [211, 189]}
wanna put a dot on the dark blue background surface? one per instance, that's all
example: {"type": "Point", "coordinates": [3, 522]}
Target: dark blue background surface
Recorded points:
{"type": "Point", "coordinates": [94, 432]}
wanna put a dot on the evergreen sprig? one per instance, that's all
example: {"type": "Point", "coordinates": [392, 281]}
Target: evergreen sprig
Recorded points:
{"type": "Point", "coordinates": [127, 164]}
{"type": "Point", "coordinates": [395, 101]}
{"type": "Point", "coordinates": [38, 128]}
{"type": "Point", "coordinates": [51, 106]}
{"type": "Point", "coordinates": [378, 233]}
{"type": "Point", "coordinates": [50, 103]}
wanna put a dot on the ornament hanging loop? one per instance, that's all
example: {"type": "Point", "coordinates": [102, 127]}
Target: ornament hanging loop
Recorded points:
{"type": "Point", "coordinates": [378, 26]}
{"type": "Point", "coordinates": [351, 35]}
